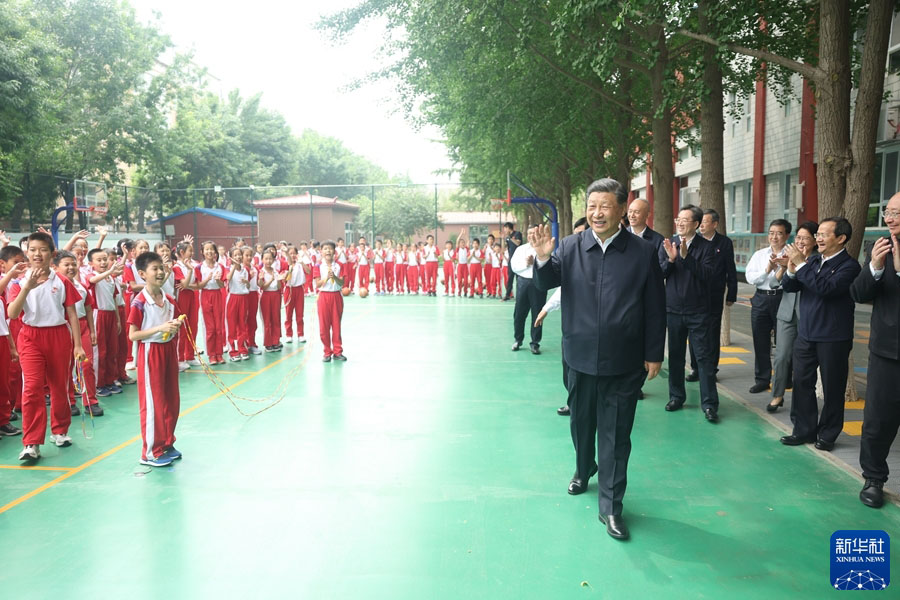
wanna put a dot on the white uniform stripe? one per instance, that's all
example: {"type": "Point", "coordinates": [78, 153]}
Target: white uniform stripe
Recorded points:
{"type": "Point", "coordinates": [149, 410]}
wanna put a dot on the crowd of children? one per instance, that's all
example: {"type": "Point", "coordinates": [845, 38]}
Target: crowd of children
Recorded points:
{"type": "Point", "coordinates": [79, 318]}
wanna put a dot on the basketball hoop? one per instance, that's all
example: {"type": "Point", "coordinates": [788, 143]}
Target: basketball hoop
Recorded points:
{"type": "Point", "coordinates": [497, 204]}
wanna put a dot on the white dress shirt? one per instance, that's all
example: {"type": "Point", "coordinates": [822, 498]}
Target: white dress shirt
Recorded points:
{"type": "Point", "coordinates": [756, 269]}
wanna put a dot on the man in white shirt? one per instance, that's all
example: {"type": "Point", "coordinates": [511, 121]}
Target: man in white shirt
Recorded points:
{"type": "Point", "coordinates": [528, 298]}
{"type": "Point", "coordinates": [764, 303]}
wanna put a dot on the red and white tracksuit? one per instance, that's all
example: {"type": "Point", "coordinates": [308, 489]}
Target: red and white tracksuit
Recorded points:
{"type": "Point", "coordinates": [106, 326]}
{"type": "Point", "coordinates": [270, 308]}
{"type": "Point", "coordinates": [293, 299]}
{"type": "Point", "coordinates": [157, 374]}
{"type": "Point", "coordinates": [412, 272]}
{"type": "Point", "coordinates": [330, 307]}
{"type": "Point", "coordinates": [89, 393]}
{"type": "Point", "coordinates": [462, 270]}
{"type": "Point", "coordinates": [475, 272]}
{"type": "Point", "coordinates": [45, 353]}
{"type": "Point", "coordinates": [378, 265]}
{"type": "Point", "coordinates": [188, 305]}
{"type": "Point", "coordinates": [366, 256]}
{"type": "Point", "coordinates": [449, 272]}
{"type": "Point", "coordinates": [212, 304]}
{"type": "Point", "coordinates": [6, 399]}
{"type": "Point", "coordinates": [431, 268]}
{"type": "Point", "coordinates": [488, 270]}
{"type": "Point", "coordinates": [252, 307]}
{"type": "Point", "coordinates": [236, 312]}
{"type": "Point", "coordinates": [389, 270]}
{"type": "Point", "coordinates": [400, 257]}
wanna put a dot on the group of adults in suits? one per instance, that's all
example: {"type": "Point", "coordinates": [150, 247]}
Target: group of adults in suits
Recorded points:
{"type": "Point", "coordinates": [625, 287]}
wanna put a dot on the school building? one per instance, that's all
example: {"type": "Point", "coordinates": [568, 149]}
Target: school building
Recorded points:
{"type": "Point", "coordinates": [305, 217]}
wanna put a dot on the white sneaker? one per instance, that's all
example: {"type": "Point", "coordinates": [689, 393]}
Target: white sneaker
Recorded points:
{"type": "Point", "coordinates": [289, 340]}
{"type": "Point", "coordinates": [183, 366]}
{"type": "Point", "coordinates": [235, 358]}
{"type": "Point", "coordinates": [255, 350]}
{"type": "Point", "coordinates": [61, 440]}
{"type": "Point", "coordinates": [194, 362]}
{"type": "Point", "coordinates": [130, 366]}
{"type": "Point", "coordinates": [30, 453]}
{"type": "Point", "coordinates": [301, 340]}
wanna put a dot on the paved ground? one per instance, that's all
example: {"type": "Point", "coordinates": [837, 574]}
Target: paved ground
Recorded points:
{"type": "Point", "coordinates": [737, 378]}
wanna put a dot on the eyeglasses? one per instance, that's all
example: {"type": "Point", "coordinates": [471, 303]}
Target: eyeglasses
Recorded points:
{"type": "Point", "coordinates": [890, 214]}
{"type": "Point", "coordinates": [683, 221]}
{"type": "Point", "coordinates": [822, 235]}
{"type": "Point", "coordinates": [803, 238]}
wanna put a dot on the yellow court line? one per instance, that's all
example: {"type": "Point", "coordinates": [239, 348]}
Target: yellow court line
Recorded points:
{"type": "Point", "coordinates": [201, 372]}
{"type": "Point", "coordinates": [26, 468]}
{"type": "Point", "coordinates": [734, 350]}
{"type": "Point", "coordinates": [731, 360]}
{"type": "Point", "coordinates": [109, 453]}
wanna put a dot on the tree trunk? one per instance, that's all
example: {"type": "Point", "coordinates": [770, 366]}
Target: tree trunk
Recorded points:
{"type": "Point", "coordinates": [663, 169]}
{"type": "Point", "coordinates": [712, 127]}
{"type": "Point", "coordinates": [833, 105]}
{"type": "Point", "coordinates": [865, 118]}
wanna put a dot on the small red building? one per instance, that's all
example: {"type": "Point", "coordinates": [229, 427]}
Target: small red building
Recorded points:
{"type": "Point", "coordinates": [475, 224]}
{"type": "Point", "coordinates": [224, 227]}
{"type": "Point", "coordinates": [304, 217]}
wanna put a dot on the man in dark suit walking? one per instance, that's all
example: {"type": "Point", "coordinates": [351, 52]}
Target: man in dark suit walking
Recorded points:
{"type": "Point", "coordinates": [613, 333]}
{"type": "Point", "coordinates": [724, 278]}
{"type": "Point", "coordinates": [824, 333]}
{"type": "Point", "coordinates": [879, 283]}
{"type": "Point", "coordinates": [688, 265]}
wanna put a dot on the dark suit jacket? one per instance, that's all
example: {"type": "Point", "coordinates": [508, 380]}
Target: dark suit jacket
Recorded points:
{"type": "Point", "coordinates": [653, 237]}
{"type": "Point", "coordinates": [826, 308]}
{"type": "Point", "coordinates": [725, 273]}
{"type": "Point", "coordinates": [688, 279]}
{"type": "Point", "coordinates": [884, 294]}
{"type": "Point", "coordinates": [613, 317]}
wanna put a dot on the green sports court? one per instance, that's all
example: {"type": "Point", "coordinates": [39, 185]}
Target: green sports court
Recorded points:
{"type": "Point", "coordinates": [430, 465]}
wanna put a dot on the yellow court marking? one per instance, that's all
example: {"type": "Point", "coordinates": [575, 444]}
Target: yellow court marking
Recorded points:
{"type": "Point", "coordinates": [855, 404]}
{"type": "Point", "coordinates": [731, 360]}
{"type": "Point", "coordinates": [853, 427]}
{"type": "Point", "coordinates": [26, 468]}
{"type": "Point", "coordinates": [201, 372]}
{"type": "Point", "coordinates": [734, 350]}
{"type": "Point", "coordinates": [112, 451]}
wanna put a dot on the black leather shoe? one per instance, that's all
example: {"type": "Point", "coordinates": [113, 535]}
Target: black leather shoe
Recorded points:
{"type": "Point", "coordinates": [824, 445]}
{"type": "Point", "coordinates": [674, 405]}
{"type": "Point", "coordinates": [774, 407]}
{"type": "Point", "coordinates": [326, 359]}
{"type": "Point", "coordinates": [615, 526]}
{"type": "Point", "coordinates": [759, 387]}
{"type": "Point", "coordinates": [563, 411]}
{"type": "Point", "coordinates": [692, 376]}
{"type": "Point", "coordinates": [872, 493]}
{"type": "Point", "coordinates": [711, 415]}
{"type": "Point", "coordinates": [535, 349]}
{"type": "Point", "coordinates": [793, 440]}
{"type": "Point", "coordinates": [516, 346]}
{"type": "Point", "coordinates": [578, 486]}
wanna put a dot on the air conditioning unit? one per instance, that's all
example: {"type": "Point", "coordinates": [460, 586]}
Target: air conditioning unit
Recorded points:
{"type": "Point", "coordinates": [689, 195]}
{"type": "Point", "coordinates": [797, 196]}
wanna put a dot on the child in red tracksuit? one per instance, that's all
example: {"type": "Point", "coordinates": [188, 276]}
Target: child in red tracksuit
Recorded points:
{"type": "Point", "coordinates": [13, 265]}
{"type": "Point", "coordinates": [330, 305]}
{"type": "Point", "coordinates": [462, 266]}
{"type": "Point", "coordinates": [188, 304]}
{"type": "Point", "coordinates": [8, 357]}
{"type": "Point", "coordinates": [47, 303]}
{"type": "Point", "coordinates": [365, 257]}
{"type": "Point", "coordinates": [153, 323]}
{"type": "Point", "coordinates": [389, 268]}
{"type": "Point", "coordinates": [252, 300]}
{"type": "Point", "coordinates": [378, 265]}
{"type": "Point", "coordinates": [208, 279]}
{"type": "Point", "coordinates": [430, 264]}
{"type": "Point", "coordinates": [412, 270]}
{"type": "Point", "coordinates": [270, 283]}
{"type": "Point", "coordinates": [475, 259]}
{"type": "Point", "coordinates": [67, 266]}
{"type": "Point", "coordinates": [400, 272]}
{"type": "Point", "coordinates": [107, 320]}
{"type": "Point", "coordinates": [293, 296]}
{"type": "Point", "coordinates": [236, 307]}
{"type": "Point", "coordinates": [449, 269]}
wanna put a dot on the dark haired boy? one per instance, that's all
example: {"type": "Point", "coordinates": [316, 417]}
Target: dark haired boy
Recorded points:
{"type": "Point", "coordinates": [154, 323]}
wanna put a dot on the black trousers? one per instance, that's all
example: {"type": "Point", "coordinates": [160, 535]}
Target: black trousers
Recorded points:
{"type": "Point", "coordinates": [881, 416]}
{"type": "Point", "coordinates": [832, 358]}
{"type": "Point", "coordinates": [763, 309]}
{"type": "Point", "coordinates": [528, 299]}
{"type": "Point", "coordinates": [714, 323]}
{"type": "Point", "coordinates": [603, 410]}
{"type": "Point", "coordinates": [695, 327]}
